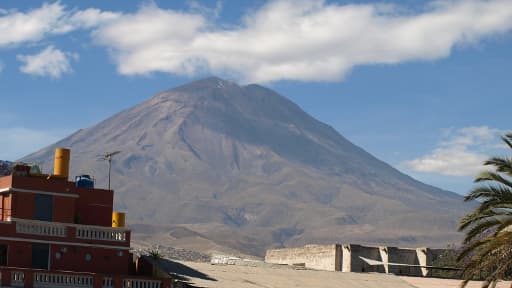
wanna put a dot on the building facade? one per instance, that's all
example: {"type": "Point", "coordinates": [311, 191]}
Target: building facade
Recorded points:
{"type": "Point", "coordinates": [52, 226]}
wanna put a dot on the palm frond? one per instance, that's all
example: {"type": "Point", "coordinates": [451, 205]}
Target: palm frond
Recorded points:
{"type": "Point", "coordinates": [493, 176]}
{"type": "Point", "coordinates": [507, 139]}
{"type": "Point", "coordinates": [482, 227]}
{"type": "Point", "coordinates": [477, 216]}
{"type": "Point", "coordinates": [503, 165]}
{"type": "Point", "coordinates": [491, 193]}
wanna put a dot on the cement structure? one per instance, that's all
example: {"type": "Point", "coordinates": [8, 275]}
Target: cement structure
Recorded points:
{"type": "Point", "coordinates": [347, 258]}
{"type": "Point", "coordinates": [235, 276]}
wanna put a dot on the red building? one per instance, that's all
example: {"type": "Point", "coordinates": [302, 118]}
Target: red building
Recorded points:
{"type": "Point", "coordinates": [58, 233]}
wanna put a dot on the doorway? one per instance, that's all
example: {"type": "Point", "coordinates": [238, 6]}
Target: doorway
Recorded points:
{"type": "Point", "coordinates": [3, 255]}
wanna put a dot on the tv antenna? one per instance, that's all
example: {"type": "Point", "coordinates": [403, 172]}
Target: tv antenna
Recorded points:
{"type": "Point", "coordinates": [107, 156]}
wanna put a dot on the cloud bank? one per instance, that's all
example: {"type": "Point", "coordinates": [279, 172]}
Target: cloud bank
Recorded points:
{"type": "Point", "coordinates": [305, 40]}
{"type": "Point", "coordinates": [461, 154]}
{"type": "Point", "coordinates": [49, 62]}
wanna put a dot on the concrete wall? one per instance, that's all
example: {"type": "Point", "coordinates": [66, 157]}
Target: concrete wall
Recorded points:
{"type": "Point", "coordinates": [320, 257]}
{"type": "Point", "coordinates": [405, 256]}
{"type": "Point", "coordinates": [352, 262]}
{"type": "Point", "coordinates": [346, 258]}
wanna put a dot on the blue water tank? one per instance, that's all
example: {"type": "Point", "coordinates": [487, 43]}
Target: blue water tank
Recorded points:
{"type": "Point", "coordinates": [84, 181]}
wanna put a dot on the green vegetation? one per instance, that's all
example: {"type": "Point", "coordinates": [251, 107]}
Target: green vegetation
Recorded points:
{"type": "Point", "coordinates": [156, 256]}
{"type": "Point", "coordinates": [487, 251]}
{"type": "Point", "coordinates": [446, 259]}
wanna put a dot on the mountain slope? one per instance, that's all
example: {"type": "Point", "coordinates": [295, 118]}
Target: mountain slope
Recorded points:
{"type": "Point", "coordinates": [251, 170]}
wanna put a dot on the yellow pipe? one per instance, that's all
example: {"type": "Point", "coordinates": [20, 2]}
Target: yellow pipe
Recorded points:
{"type": "Point", "coordinates": [61, 162]}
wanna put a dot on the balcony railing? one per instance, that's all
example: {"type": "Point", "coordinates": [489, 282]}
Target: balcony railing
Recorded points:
{"type": "Point", "coordinates": [141, 283]}
{"type": "Point", "coordinates": [65, 230]}
{"type": "Point", "coordinates": [17, 279]}
{"type": "Point", "coordinates": [104, 234]}
{"type": "Point", "coordinates": [57, 280]}
{"type": "Point", "coordinates": [41, 228]}
{"type": "Point", "coordinates": [33, 278]}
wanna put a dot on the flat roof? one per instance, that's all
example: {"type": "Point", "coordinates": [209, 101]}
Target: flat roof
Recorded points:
{"type": "Point", "coordinates": [233, 276]}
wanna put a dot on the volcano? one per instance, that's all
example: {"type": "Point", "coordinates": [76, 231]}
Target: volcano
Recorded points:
{"type": "Point", "coordinates": [246, 168]}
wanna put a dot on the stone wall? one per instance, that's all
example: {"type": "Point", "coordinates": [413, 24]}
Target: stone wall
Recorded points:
{"type": "Point", "coordinates": [320, 257]}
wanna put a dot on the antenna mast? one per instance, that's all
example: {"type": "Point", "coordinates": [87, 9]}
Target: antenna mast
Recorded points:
{"type": "Point", "coordinates": [108, 157]}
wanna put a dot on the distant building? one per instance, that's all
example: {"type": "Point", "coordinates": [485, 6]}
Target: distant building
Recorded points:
{"type": "Point", "coordinates": [58, 233]}
{"type": "Point", "coordinates": [358, 258]}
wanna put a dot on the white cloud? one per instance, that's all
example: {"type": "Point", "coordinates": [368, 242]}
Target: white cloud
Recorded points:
{"type": "Point", "coordinates": [50, 62]}
{"type": "Point", "coordinates": [213, 12]}
{"type": "Point", "coordinates": [300, 40]}
{"type": "Point", "coordinates": [49, 19]}
{"type": "Point", "coordinates": [309, 40]}
{"type": "Point", "coordinates": [17, 27]}
{"type": "Point", "coordinates": [461, 154]}
{"type": "Point", "coordinates": [18, 142]}
{"type": "Point", "coordinates": [85, 19]}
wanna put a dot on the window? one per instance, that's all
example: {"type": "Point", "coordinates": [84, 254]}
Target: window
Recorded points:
{"type": "Point", "coordinates": [44, 207]}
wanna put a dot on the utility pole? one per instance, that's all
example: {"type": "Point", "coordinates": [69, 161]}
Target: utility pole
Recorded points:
{"type": "Point", "coordinates": [108, 157]}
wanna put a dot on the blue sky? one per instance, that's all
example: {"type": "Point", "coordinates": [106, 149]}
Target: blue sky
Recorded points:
{"type": "Point", "coordinates": [424, 86]}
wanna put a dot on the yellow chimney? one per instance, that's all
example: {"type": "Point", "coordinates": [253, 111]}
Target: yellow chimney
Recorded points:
{"type": "Point", "coordinates": [61, 162]}
{"type": "Point", "coordinates": [118, 219]}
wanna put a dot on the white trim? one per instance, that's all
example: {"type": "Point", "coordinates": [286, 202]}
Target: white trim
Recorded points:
{"type": "Point", "coordinates": [63, 243]}
{"type": "Point", "coordinates": [117, 229]}
{"type": "Point", "coordinates": [38, 192]}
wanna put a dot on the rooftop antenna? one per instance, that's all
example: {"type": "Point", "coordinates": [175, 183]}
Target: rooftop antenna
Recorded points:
{"type": "Point", "coordinates": [107, 156]}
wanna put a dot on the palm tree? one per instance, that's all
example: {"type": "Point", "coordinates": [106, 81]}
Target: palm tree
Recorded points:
{"type": "Point", "coordinates": [487, 250]}
{"type": "Point", "coordinates": [156, 257]}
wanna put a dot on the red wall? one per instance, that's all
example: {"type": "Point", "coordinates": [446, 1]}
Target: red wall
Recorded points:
{"type": "Point", "coordinates": [19, 254]}
{"type": "Point", "coordinates": [92, 207]}
{"type": "Point", "coordinates": [63, 209]}
{"type": "Point", "coordinates": [57, 185]}
{"type": "Point", "coordinates": [23, 205]}
{"type": "Point", "coordinates": [103, 260]}
{"type": "Point", "coordinates": [95, 206]}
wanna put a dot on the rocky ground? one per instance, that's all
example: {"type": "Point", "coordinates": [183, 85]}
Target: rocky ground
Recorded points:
{"type": "Point", "coordinates": [173, 253]}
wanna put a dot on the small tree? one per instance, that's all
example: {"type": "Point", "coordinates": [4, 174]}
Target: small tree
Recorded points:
{"type": "Point", "coordinates": [156, 256]}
